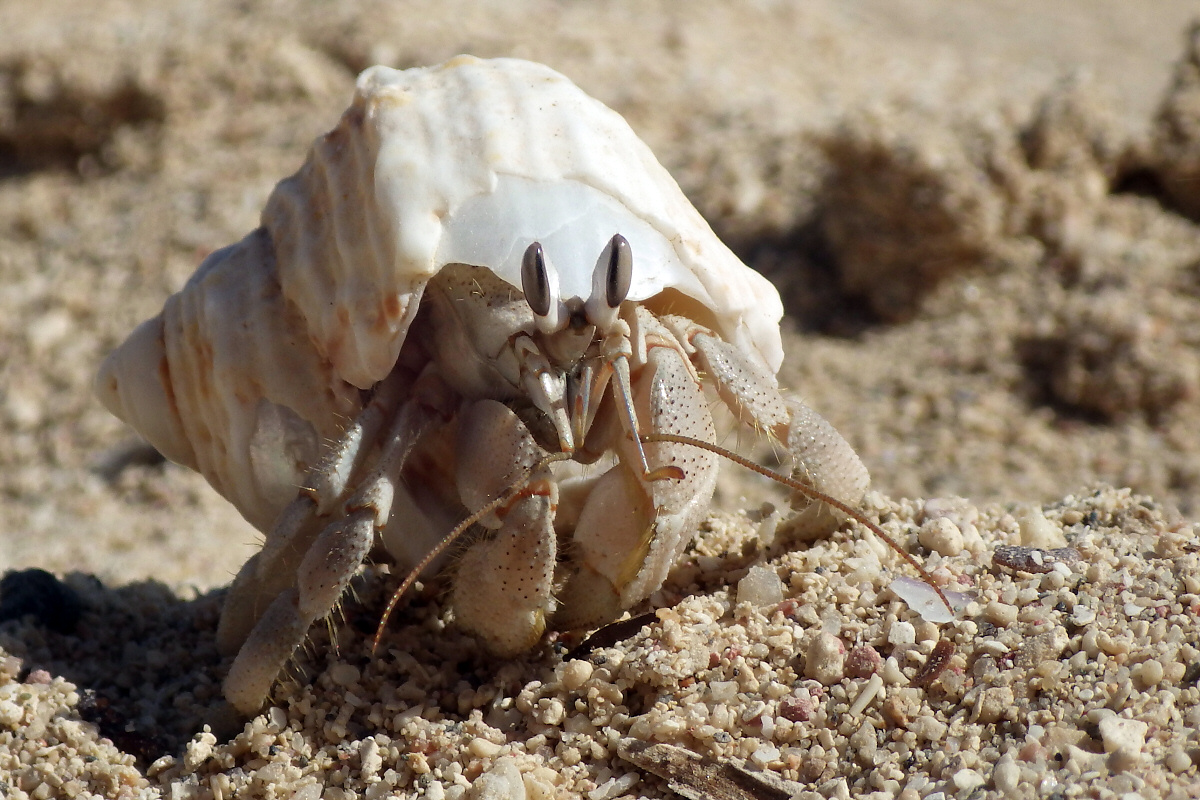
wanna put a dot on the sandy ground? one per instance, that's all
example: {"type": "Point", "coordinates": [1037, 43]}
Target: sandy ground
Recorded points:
{"type": "Point", "coordinates": [982, 221]}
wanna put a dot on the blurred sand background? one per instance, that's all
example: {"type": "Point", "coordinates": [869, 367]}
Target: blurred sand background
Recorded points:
{"type": "Point", "coordinates": [982, 218]}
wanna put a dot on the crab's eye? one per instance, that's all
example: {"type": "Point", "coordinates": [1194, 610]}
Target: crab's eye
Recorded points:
{"type": "Point", "coordinates": [610, 282]}
{"type": "Point", "coordinates": [620, 271]}
{"type": "Point", "coordinates": [535, 280]}
{"type": "Point", "coordinates": [539, 282]}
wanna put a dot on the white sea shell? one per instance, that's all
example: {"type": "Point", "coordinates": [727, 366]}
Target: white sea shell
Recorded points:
{"type": "Point", "coordinates": [260, 357]}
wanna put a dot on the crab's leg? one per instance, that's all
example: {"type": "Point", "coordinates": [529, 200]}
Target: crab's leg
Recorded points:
{"type": "Point", "coordinates": [633, 526]}
{"type": "Point", "coordinates": [618, 351]}
{"type": "Point", "coordinates": [327, 566]}
{"type": "Point", "coordinates": [503, 585]}
{"type": "Point", "coordinates": [821, 457]}
{"type": "Point", "coordinates": [271, 570]}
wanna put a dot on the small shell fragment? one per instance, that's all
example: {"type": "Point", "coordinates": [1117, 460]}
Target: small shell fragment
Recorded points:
{"type": "Point", "coordinates": [939, 659]}
{"type": "Point", "coordinates": [698, 777]}
{"type": "Point", "coordinates": [922, 599]}
{"type": "Point", "coordinates": [869, 692]}
{"type": "Point", "coordinates": [1033, 559]}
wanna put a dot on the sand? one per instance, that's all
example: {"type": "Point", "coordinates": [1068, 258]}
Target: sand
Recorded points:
{"type": "Point", "coordinates": [982, 221]}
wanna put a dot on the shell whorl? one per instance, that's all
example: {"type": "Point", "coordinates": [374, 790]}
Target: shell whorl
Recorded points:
{"type": "Point", "coordinates": [358, 228]}
{"type": "Point", "coordinates": [225, 381]}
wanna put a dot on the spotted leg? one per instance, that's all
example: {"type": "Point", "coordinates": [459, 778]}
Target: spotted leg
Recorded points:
{"type": "Point", "coordinates": [503, 585]}
{"type": "Point", "coordinates": [821, 457]}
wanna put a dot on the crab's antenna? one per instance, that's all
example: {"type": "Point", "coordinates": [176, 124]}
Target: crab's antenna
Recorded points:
{"type": "Point", "coordinates": [514, 489]}
{"type": "Point", "coordinates": [807, 491]}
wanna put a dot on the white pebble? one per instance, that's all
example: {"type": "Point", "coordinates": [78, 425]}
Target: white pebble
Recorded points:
{"type": "Point", "coordinates": [344, 674]}
{"type": "Point", "coordinates": [966, 780]}
{"type": "Point", "coordinates": [1079, 761]}
{"type": "Point", "coordinates": [723, 691]}
{"type": "Point", "coordinates": [825, 659]}
{"type": "Point", "coordinates": [760, 587]}
{"type": "Point", "coordinates": [1119, 733]}
{"type": "Point", "coordinates": [902, 633]}
{"type": "Point", "coordinates": [767, 722]}
{"type": "Point", "coordinates": [501, 782]}
{"type": "Point", "coordinates": [942, 536]}
{"type": "Point", "coordinates": [1178, 760]}
{"type": "Point", "coordinates": [892, 674]}
{"type": "Point", "coordinates": [550, 711]}
{"type": "Point", "coordinates": [765, 754]}
{"type": "Point", "coordinates": [540, 783]}
{"type": "Point", "coordinates": [198, 751]}
{"type": "Point", "coordinates": [1148, 673]}
{"type": "Point", "coordinates": [1006, 775]}
{"type": "Point", "coordinates": [310, 791]}
{"type": "Point", "coordinates": [1082, 615]}
{"type": "Point", "coordinates": [864, 743]}
{"type": "Point", "coordinates": [1000, 614]}
{"type": "Point", "coordinates": [924, 599]}
{"type": "Point", "coordinates": [992, 704]}
{"type": "Point", "coordinates": [837, 789]}
{"type": "Point", "coordinates": [929, 728]}
{"type": "Point", "coordinates": [278, 718]}
{"type": "Point", "coordinates": [482, 748]}
{"type": "Point", "coordinates": [11, 714]}
{"type": "Point", "coordinates": [753, 710]}
{"type": "Point", "coordinates": [769, 526]}
{"type": "Point", "coordinates": [575, 673]}
{"type": "Point", "coordinates": [1037, 531]}
{"type": "Point", "coordinates": [369, 758]}
{"type": "Point", "coordinates": [613, 787]}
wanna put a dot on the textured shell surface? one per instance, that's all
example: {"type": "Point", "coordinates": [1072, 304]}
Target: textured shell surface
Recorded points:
{"type": "Point", "coordinates": [261, 356]}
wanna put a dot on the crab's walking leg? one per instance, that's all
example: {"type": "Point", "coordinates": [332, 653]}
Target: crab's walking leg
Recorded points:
{"type": "Point", "coordinates": [503, 586]}
{"type": "Point", "coordinates": [271, 570]}
{"type": "Point", "coordinates": [821, 457]}
{"type": "Point", "coordinates": [328, 565]}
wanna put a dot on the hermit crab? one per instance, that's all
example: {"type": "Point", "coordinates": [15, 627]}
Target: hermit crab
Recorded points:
{"type": "Point", "coordinates": [480, 298]}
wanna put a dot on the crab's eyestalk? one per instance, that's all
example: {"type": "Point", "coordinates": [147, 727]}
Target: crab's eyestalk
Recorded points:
{"type": "Point", "coordinates": [610, 282]}
{"type": "Point", "coordinates": [539, 282]}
